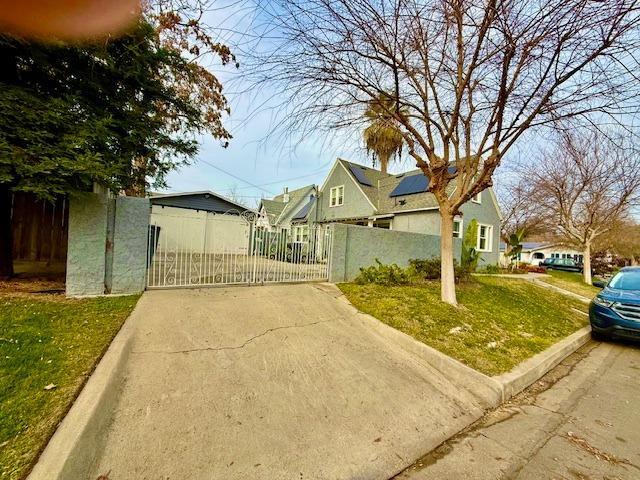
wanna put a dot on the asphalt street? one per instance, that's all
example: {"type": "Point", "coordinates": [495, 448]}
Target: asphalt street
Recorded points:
{"type": "Point", "coordinates": [581, 422]}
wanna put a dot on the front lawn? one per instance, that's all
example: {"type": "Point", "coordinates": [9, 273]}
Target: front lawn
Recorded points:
{"type": "Point", "coordinates": [502, 321]}
{"type": "Point", "coordinates": [48, 347]}
{"type": "Point", "coordinates": [570, 281]}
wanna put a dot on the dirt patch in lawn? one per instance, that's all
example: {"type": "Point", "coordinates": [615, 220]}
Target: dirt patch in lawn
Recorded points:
{"type": "Point", "coordinates": [52, 289]}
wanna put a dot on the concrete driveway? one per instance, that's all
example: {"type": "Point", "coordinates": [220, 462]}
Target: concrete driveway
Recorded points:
{"type": "Point", "coordinates": [277, 382]}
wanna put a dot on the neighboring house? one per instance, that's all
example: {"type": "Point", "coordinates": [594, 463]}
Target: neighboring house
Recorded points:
{"type": "Point", "coordinates": [361, 195]}
{"type": "Point", "coordinates": [536, 252]}
{"type": "Point", "coordinates": [191, 219]}
{"type": "Point", "coordinates": [288, 209]}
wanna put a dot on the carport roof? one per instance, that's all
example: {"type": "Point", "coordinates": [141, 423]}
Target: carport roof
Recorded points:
{"type": "Point", "coordinates": [205, 200]}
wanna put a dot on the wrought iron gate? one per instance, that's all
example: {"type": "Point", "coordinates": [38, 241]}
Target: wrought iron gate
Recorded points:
{"type": "Point", "coordinates": [201, 249]}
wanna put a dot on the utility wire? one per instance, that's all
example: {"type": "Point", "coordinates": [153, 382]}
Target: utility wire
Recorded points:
{"type": "Point", "coordinates": [236, 177]}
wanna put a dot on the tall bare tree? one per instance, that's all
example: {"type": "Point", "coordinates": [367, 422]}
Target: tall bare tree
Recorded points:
{"type": "Point", "coordinates": [468, 77]}
{"type": "Point", "coordinates": [519, 213]}
{"type": "Point", "coordinates": [585, 187]}
{"type": "Point", "coordinates": [623, 240]}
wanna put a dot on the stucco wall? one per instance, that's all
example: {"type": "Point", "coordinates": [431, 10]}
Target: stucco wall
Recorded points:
{"type": "Point", "coordinates": [107, 246]}
{"type": "Point", "coordinates": [130, 244]}
{"type": "Point", "coordinates": [355, 202]}
{"type": "Point", "coordinates": [355, 247]}
{"type": "Point", "coordinates": [427, 222]}
{"type": "Point", "coordinates": [88, 220]}
{"type": "Point", "coordinates": [484, 212]}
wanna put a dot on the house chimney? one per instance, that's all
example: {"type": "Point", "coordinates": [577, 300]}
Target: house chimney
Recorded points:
{"type": "Point", "coordinates": [285, 195]}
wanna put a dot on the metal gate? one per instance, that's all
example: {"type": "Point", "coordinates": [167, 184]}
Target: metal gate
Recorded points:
{"type": "Point", "coordinates": [194, 248]}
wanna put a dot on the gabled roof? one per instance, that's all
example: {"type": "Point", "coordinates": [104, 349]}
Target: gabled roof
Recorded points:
{"type": "Point", "coordinates": [277, 209]}
{"type": "Point", "coordinates": [304, 211]}
{"type": "Point", "coordinates": [385, 183]}
{"type": "Point", "coordinates": [373, 175]}
{"type": "Point", "coordinates": [533, 246]}
{"type": "Point", "coordinates": [273, 209]}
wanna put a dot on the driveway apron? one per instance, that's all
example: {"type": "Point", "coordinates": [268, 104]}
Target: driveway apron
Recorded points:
{"type": "Point", "coordinates": [273, 382]}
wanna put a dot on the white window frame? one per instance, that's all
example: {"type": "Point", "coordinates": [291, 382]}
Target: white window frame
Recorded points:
{"type": "Point", "coordinates": [477, 198]}
{"type": "Point", "coordinates": [300, 232]}
{"type": "Point", "coordinates": [336, 196]}
{"type": "Point", "coordinates": [488, 238]}
{"type": "Point", "coordinates": [460, 228]}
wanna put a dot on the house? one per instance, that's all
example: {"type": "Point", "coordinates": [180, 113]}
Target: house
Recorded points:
{"type": "Point", "coordinates": [288, 209]}
{"type": "Point", "coordinates": [361, 195]}
{"type": "Point", "coordinates": [535, 252]}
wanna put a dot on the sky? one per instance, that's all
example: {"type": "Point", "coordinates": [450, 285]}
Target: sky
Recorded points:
{"type": "Point", "coordinates": [255, 164]}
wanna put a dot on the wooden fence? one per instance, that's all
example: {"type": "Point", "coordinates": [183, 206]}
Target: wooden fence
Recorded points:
{"type": "Point", "coordinates": [40, 228]}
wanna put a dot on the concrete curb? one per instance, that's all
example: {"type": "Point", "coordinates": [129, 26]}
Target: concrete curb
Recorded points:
{"type": "Point", "coordinates": [560, 290]}
{"type": "Point", "coordinates": [486, 389]}
{"type": "Point", "coordinates": [531, 370]}
{"type": "Point", "coordinates": [78, 439]}
{"type": "Point", "coordinates": [491, 390]}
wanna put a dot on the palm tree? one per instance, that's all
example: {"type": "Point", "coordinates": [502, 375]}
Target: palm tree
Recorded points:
{"type": "Point", "coordinates": [382, 138]}
{"type": "Point", "coordinates": [514, 244]}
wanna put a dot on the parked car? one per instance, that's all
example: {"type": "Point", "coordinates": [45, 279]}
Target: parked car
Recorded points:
{"type": "Point", "coordinates": [615, 311]}
{"type": "Point", "coordinates": [566, 264]}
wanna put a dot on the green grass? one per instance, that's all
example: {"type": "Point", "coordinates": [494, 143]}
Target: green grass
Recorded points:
{"type": "Point", "coordinates": [47, 341]}
{"type": "Point", "coordinates": [521, 317]}
{"type": "Point", "coordinates": [570, 281]}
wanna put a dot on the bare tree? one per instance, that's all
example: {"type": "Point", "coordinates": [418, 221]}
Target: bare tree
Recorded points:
{"type": "Point", "coordinates": [585, 187]}
{"type": "Point", "coordinates": [467, 78]}
{"type": "Point", "coordinates": [519, 213]}
{"type": "Point", "coordinates": [622, 240]}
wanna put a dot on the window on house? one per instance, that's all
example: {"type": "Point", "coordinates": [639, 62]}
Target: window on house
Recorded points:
{"type": "Point", "coordinates": [484, 238]}
{"type": "Point", "coordinates": [477, 198]}
{"type": "Point", "coordinates": [457, 228]}
{"type": "Point", "coordinates": [336, 196]}
{"type": "Point", "coordinates": [301, 233]}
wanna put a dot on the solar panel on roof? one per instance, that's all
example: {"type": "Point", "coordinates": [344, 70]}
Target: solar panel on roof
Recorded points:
{"type": "Point", "coordinates": [360, 176]}
{"type": "Point", "coordinates": [304, 211]}
{"type": "Point", "coordinates": [410, 185]}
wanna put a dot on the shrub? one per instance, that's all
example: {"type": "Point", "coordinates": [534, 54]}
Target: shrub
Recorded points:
{"type": "Point", "coordinates": [429, 269]}
{"type": "Point", "coordinates": [469, 256]}
{"type": "Point", "coordinates": [425, 269]}
{"type": "Point", "coordinates": [492, 269]}
{"type": "Point", "coordinates": [383, 274]}
{"type": "Point", "coordinates": [536, 269]}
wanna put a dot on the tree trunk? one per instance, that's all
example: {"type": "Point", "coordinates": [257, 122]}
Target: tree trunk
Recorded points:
{"type": "Point", "coordinates": [384, 163]}
{"type": "Point", "coordinates": [586, 273]}
{"type": "Point", "coordinates": [447, 275]}
{"type": "Point", "coordinates": [6, 234]}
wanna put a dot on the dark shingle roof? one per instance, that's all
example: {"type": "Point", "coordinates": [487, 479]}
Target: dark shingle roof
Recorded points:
{"type": "Point", "coordinates": [205, 201]}
{"type": "Point", "coordinates": [304, 211]}
{"type": "Point", "coordinates": [385, 183]}
{"type": "Point", "coordinates": [273, 209]}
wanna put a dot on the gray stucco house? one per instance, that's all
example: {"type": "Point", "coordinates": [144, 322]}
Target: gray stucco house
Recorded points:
{"type": "Point", "coordinates": [360, 195]}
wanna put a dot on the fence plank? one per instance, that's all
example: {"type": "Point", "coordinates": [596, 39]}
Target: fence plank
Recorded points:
{"type": "Point", "coordinates": [39, 228]}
